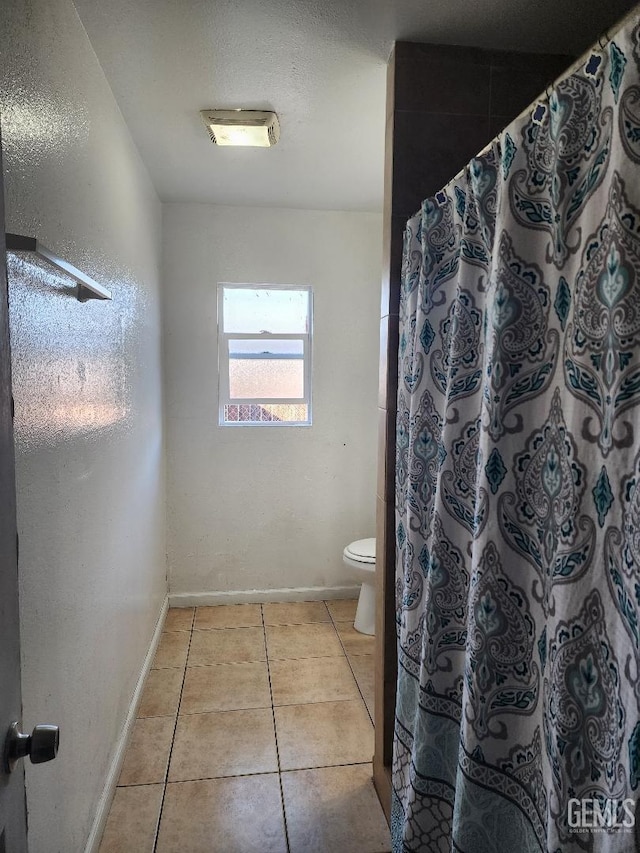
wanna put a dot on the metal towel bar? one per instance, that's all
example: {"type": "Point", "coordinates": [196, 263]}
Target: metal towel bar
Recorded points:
{"type": "Point", "coordinates": [87, 287]}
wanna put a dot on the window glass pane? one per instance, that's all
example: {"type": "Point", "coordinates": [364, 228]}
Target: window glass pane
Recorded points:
{"type": "Point", "coordinates": [261, 413]}
{"type": "Point", "coordinates": [256, 310]}
{"type": "Point", "coordinates": [266, 369]}
{"type": "Point", "coordinates": [265, 348]}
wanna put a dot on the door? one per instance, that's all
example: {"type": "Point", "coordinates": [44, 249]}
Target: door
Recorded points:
{"type": "Point", "coordinates": [13, 815]}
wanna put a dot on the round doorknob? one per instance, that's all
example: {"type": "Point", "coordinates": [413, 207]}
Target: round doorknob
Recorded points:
{"type": "Point", "coordinates": [45, 740]}
{"type": "Point", "coordinates": [41, 745]}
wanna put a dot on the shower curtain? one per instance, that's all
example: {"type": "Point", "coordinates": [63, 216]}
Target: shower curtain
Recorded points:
{"type": "Point", "coordinates": [518, 485]}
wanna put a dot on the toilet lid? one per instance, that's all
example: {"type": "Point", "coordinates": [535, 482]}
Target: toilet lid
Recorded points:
{"type": "Point", "coordinates": [363, 550]}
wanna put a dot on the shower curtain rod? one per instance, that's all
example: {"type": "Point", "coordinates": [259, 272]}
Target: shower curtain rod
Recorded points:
{"type": "Point", "coordinates": [598, 45]}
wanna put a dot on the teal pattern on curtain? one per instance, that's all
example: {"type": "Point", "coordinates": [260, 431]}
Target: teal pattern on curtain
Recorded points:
{"type": "Point", "coordinates": [518, 485]}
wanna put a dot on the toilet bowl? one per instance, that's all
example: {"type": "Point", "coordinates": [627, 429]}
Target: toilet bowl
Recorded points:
{"type": "Point", "coordinates": [360, 556]}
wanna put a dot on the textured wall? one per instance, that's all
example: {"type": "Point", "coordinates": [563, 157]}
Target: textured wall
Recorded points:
{"type": "Point", "coordinates": [265, 508]}
{"type": "Point", "coordinates": [88, 399]}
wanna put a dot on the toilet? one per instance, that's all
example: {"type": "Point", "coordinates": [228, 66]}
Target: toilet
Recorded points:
{"type": "Point", "coordinates": [360, 556]}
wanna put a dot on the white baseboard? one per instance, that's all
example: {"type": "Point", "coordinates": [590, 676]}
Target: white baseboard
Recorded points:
{"type": "Point", "coordinates": [262, 596]}
{"type": "Point", "coordinates": [104, 804]}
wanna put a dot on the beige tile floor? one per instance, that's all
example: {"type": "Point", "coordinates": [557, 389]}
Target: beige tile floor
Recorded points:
{"type": "Point", "coordinates": [254, 735]}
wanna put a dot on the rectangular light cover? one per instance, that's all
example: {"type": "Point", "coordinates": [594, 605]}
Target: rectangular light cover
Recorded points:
{"type": "Point", "coordinates": [242, 127]}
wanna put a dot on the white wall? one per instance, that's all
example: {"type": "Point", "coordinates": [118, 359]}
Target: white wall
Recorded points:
{"type": "Point", "coordinates": [270, 508]}
{"type": "Point", "coordinates": [88, 409]}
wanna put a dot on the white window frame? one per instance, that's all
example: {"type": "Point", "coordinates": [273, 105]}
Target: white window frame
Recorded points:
{"type": "Point", "coordinates": [224, 398]}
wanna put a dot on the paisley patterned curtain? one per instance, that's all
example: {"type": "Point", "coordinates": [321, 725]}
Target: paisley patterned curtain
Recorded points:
{"type": "Point", "coordinates": [518, 485]}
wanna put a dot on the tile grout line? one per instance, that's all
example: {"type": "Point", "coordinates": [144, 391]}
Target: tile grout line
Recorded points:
{"type": "Point", "coordinates": [173, 738]}
{"type": "Point", "coordinates": [257, 773]}
{"type": "Point", "coordinates": [165, 781]}
{"type": "Point", "coordinates": [275, 731]}
{"type": "Point", "coordinates": [252, 708]}
{"type": "Point", "coordinates": [352, 672]}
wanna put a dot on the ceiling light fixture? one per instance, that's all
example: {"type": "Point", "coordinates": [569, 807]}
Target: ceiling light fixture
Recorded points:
{"type": "Point", "coordinates": [242, 127]}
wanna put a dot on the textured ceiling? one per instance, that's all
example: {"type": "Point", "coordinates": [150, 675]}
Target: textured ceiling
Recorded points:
{"type": "Point", "coordinates": [321, 65]}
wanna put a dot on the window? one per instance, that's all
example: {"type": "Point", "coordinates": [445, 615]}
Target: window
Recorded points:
{"type": "Point", "coordinates": [264, 354]}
